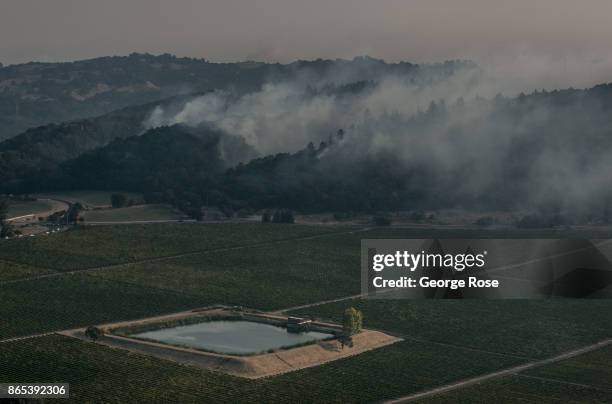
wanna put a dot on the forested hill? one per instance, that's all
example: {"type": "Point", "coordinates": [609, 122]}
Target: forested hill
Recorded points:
{"type": "Point", "coordinates": [545, 150]}
{"type": "Point", "coordinates": [154, 160]}
{"type": "Point", "coordinates": [39, 150]}
{"type": "Point", "coordinates": [35, 94]}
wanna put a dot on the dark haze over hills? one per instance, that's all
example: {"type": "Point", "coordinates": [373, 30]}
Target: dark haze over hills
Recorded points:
{"type": "Point", "coordinates": [356, 135]}
{"type": "Point", "coordinates": [35, 94]}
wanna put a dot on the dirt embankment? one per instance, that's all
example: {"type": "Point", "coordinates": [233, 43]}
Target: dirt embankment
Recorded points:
{"type": "Point", "coordinates": [252, 367]}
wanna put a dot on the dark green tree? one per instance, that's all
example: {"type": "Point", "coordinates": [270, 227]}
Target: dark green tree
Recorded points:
{"type": "Point", "coordinates": [283, 216]}
{"type": "Point", "coordinates": [266, 217]}
{"type": "Point", "coordinates": [382, 219]}
{"type": "Point", "coordinates": [93, 333]}
{"type": "Point", "coordinates": [118, 200]}
{"type": "Point", "coordinates": [6, 229]}
{"type": "Point", "coordinates": [72, 215]}
{"type": "Point", "coordinates": [3, 209]}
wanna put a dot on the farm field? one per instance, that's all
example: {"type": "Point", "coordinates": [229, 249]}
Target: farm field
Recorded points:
{"type": "Point", "coordinates": [132, 213]}
{"type": "Point", "coordinates": [269, 267]}
{"type": "Point", "coordinates": [266, 277]}
{"type": "Point", "coordinates": [531, 329]}
{"type": "Point", "coordinates": [11, 271]}
{"type": "Point", "coordinates": [127, 377]}
{"type": "Point", "coordinates": [586, 378]}
{"type": "Point", "coordinates": [86, 247]}
{"type": "Point", "coordinates": [70, 301]}
{"type": "Point", "coordinates": [270, 276]}
{"type": "Point", "coordinates": [592, 369]}
{"type": "Point", "coordinates": [19, 208]}
{"type": "Point", "coordinates": [394, 371]}
{"type": "Point", "coordinates": [90, 198]}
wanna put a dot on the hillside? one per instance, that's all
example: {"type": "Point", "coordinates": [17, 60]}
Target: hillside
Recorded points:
{"type": "Point", "coordinates": [161, 159]}
{"type": "Point", "coordinates": [39, 150]}
{"type": "Point", "coordinates": [554, 159]}
{"type": "Point", "coordinates": [35, 94]}
{"type": "Point", "coordinates": [547, 151]}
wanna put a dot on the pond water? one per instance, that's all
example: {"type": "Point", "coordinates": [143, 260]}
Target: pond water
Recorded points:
{"type": "Point", "coordinates": [231, 337]}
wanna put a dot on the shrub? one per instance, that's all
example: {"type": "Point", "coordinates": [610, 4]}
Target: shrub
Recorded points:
{"type": "Point", "coordinates": [266, 217]}
{"type": "Point", "coordinates": [283, 216]}
{"type": "Point", "coordinates": [484, 221]}
{"type": "Point", "coordinates": [382, 219]}
{"type": "Point", "coordinates": [118, 200]}
{"type": "Point", "coordinates": [93, 332]}
{"type": "Point", "coordinates": [352, 321]}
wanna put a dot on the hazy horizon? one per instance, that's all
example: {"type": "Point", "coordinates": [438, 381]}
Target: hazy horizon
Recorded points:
{"type": "Point", "coordinates": [560, 42]}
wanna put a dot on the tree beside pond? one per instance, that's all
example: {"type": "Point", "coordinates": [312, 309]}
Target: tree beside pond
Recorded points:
{"type": "Point", "coordinates": [352, 321]}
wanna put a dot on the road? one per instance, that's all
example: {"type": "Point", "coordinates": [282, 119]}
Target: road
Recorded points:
{"type": "Point", "coordinates": [501, 373]}
{"type": "Point", "coordinates": [412, 397]}
{"type": "Point", "coordinates": [57, 205]}
{"type": "Point", "coordinates": [416, 396]}
{"type": "Point", "coordinates": [106, 223]}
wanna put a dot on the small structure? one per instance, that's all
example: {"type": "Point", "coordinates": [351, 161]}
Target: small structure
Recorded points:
{"type": "Point", "coordinates": [297, 324]}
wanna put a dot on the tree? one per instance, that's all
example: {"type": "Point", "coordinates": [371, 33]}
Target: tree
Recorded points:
{"type": "Point", "coordinates": [5, 227]}
{"type": "Point", "coordinates": [345, 340]}
{"type": "Point", "coordinates": [283, 216]}
{"type": "Point", "coordinates": [266, 217]}
{"type": "Point", "coordinates": [382, 219]}
{"type": "Point", "coordinates": [3, 209]}
{"type": "Point", "coordinates": [352, 321]}
{"type": "Point", "coordinates": [72, 215]}
{"type": "Point", "coordinates": [93, 332]}
{"type": "Point", "coordinates": [118, 200]}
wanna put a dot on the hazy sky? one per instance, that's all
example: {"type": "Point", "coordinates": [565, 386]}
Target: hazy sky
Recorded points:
{"type": "Point", "coordinates": [574, 36]}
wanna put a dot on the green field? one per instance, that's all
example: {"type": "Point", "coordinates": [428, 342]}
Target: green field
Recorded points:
{"type": "Point", "coordinates": [69, 301]}
{"type": "Point", "coordinates": [525, 328]}
{"type": "Point", "coordinates": [102, 374]}
{"type": "Point", "coordinates": [266, 267]}
{"type": "Point", "coordinates": [271, 276]}
{"type": "Point", "coordinates": [90, 198]}
{"type": "Point", "coordinates": [11, 271]}
{"type": "Point", "coordinates": [586, 378]}
{"type": "Point", "coordinates": [20, 208]}
{"type": "Point", "coordinates": [86, 247]}
{"type": "Point", "coordinates": [133, 214]}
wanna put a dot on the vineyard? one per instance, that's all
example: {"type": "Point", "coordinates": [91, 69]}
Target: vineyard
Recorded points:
{"type": "Point", "coordinates": [271, 276]}
{"type": "Point", "coordinates": [267, 277]}
{"type": "Point", "coordinates": [587, 378]}
{"type": "Point", "coordinates": [100, 373]}
{"type": "Point", "coordinates": [133, 213]}
{"type": "Point", "coordinates": [86, 247]}
{"type": "Point", "coordinates": [268, 267]}
{"type": "Point", "coordinates": [524, 328]}
{"type": "Point", "coordinates": [9, 271]}
{"type": "Point", "coordinates": [70, 301]}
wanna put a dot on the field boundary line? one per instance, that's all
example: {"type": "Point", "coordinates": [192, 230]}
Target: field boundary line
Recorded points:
{"type": "Point", "coordinates": [12, 262]}
{"type": "Point", "coordinates": [548, 379]}
{"type": "Point", "coordinates": [500, 373]}
{"type": "Point", "coordinates": [399, 335]}
{"type": "Point", "coordinates": [174, 256]}
{"type": "Point", "coordinates": [24, 337]}
{"type": "Point", "coordinates": [315, 304]}
{"type": "Point", "coordinates": [461, 347]}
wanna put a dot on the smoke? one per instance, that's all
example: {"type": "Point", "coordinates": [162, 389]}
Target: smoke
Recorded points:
{"type": "Point", "coordinates": [468, 133]}
{"type": "Point", "coordinates": [286, 115]}
{"type": "Point", "coordinates": [278, 118]}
